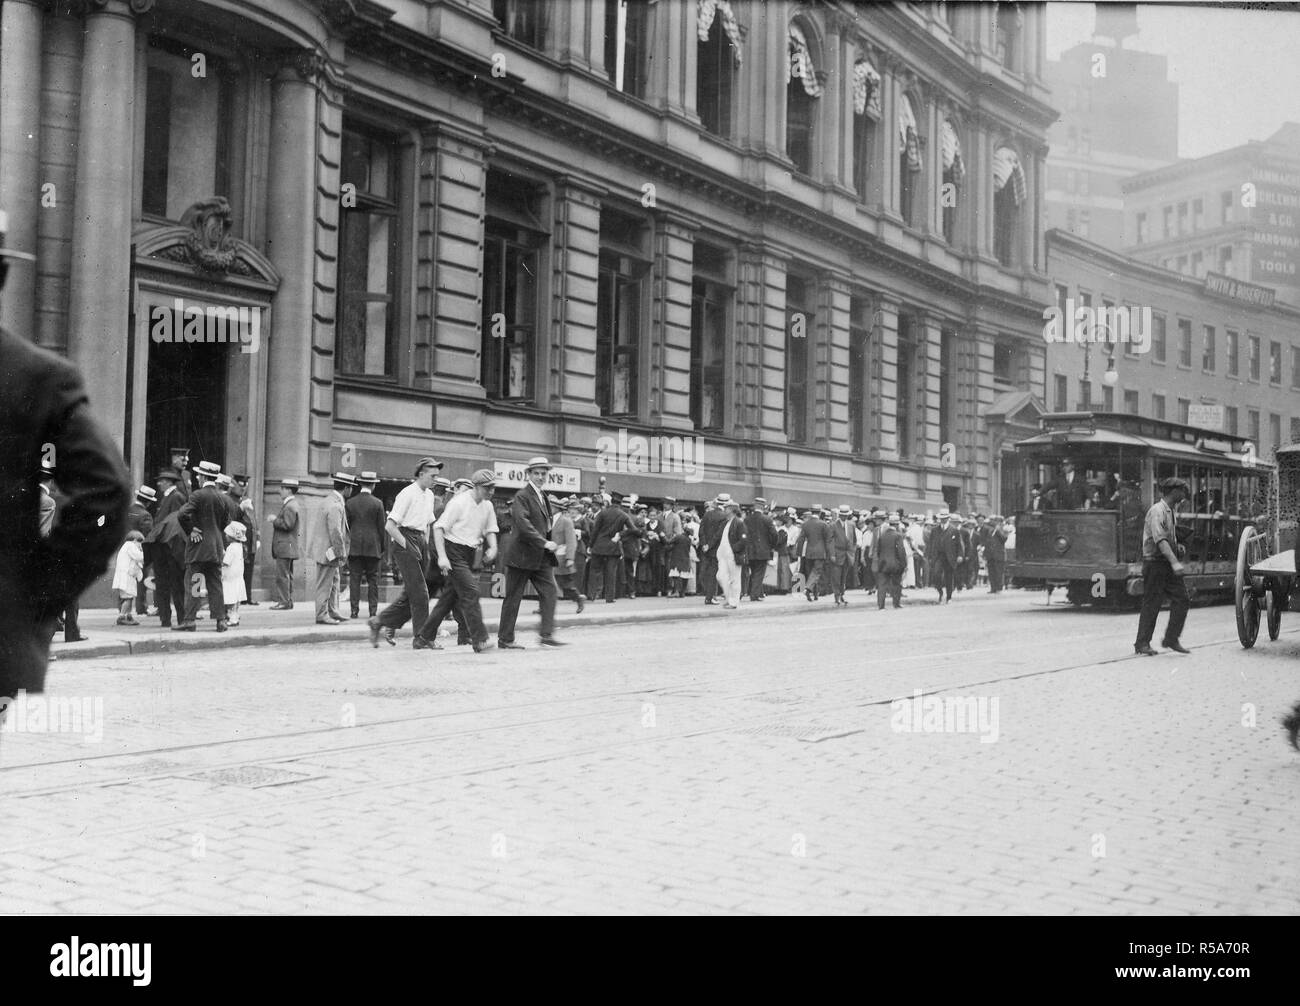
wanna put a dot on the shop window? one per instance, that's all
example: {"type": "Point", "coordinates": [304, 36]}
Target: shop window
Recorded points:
{"type": "Point", "coordinates": [711, 301]}
{"type": "Point", "coordinates": [619, 313]}
{"type": "Point", "coordinates": [512, 244]}
{"type": "Point", "coordinates": [366, 335]}
{"type": "Point", "coordinates": [187, 131]}
{"type": "Point", "coordinates": [798, 333]}
{"type": "Point", "coordinates": [627, 54]}
{"type": "Point", "coordinates": [523, 20]}
{"type": "Point", "coordinates": [718, 55]}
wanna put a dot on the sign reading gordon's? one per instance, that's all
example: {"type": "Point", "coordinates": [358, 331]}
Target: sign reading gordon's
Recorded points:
{"type": "Point", "coordinates": [512, 475]}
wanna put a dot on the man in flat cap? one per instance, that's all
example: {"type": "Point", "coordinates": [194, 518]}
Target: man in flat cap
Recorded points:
{"type": "Point", "coordinates": [408, 526]}
{"type": "Point", "coordinates": [1162, 571]}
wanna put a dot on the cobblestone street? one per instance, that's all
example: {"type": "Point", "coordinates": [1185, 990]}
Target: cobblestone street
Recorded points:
{"type": "Point", "coordinates": [745, 763]}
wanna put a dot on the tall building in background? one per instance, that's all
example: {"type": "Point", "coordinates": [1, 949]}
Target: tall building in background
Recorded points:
{"type": "Point", "coordinates": [1119, 117]}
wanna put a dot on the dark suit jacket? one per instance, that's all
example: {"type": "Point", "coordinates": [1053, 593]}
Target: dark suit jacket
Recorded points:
{"type": "Point", "coordinates": [284, 530]}
{"type": "Point", "coordinates": [1070, 495]}
{"type": "Point", "coordinates": [711, 525]}
{"type": "Point", "coordinates": [139, 519]}
{"type": "Point", "coordinates": [816, 539]}
{"type": "Point", "coordinates": [366, 519]}
{"type": "Point", "coordinates": [844, 544]}
{"type": "Point", "coordinates": [206, 510]}
{"type": "Point", "coordinates": [43, 402]}
{"type": "Point", "coordinates": [762, 536]}
{"type": "Point", "coordinates": [525, 546]}
{"type": "Point", "coordinates": [888, 553]}
{"type": "Point", "coordinates": [947, 546]}
{"type": "Point", "coordinates": [609, 522]}
{"type": "Point", "coordinates": [631, 540]}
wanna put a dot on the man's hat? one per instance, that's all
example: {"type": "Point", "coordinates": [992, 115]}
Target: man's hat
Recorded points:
{"type": "Point", "coordinates": [467, 483]}
{"type": "Point", "coordinates": [146, 493]}
{"type": "Point", "coordinates": [586, 499]}
{"type": "Point", "coordinates": [1036, 487]}
{"type": "Point", "coordinates": [168, 473]}
{"type": "Point", "coordinates": [844, 510]}
{"type": "Point", "coordinates": [370, 478]}
{"type": "Point", "coordinates": [572, 503]}
{"type": "Point", "coordinates": [445, 483]}
{"type": "Point", "coordinates": [9, 252]}
{"type": "Point", "coordinates": [224, 480]}
{"type": "Point", "coordinates": [723, 499]}
{"type": "Point", "coordinates": [631, 498]}
{"type": "Point", "coordinates": [1170, 484]}
{"type": "Point", "coordinates": [210, 469]}
{"type": "Point", "coordinates": [343, 478]}
{"type": "Point", "coordinates": [670, 499]}
{"type": "Point", "coordinates": [894, 518]}
{"type": "Point", "coordinates": [759, 501]}
{"type": "Point", "coordinates": [484, 477]}
{"type": "Point", "coordinates": [240, 478]}
{"type": "Point", "coordinates": [791, 512]}
{"type": "Point", "coordinates": [424, 463]}
{"type": "Point", "coordinates": [538, 462]}
{"type": "Point", "coordinates": [944, 515]}
{"type": "Point", "coordinates": [289, 483]}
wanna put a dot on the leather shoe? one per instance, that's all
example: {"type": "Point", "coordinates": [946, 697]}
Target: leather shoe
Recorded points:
{"type": "Point", "coordinates": [1145, 651]}
{"type": "Point", "coordinates": [509, 646]}
{"type": "Point", "coordinates": [185, 627]}
{"type": "Point", "coordinates": [340, 616]}
{"type": "Point", "coordinates": [549, 641]}
{"type": "Point", "coordinates": [582, 603]}
{"type": "Point", "coordinates": [1174, 645]}
{"type": "Point", "coordinates": [223, 625]}
{"type": "Point", "coordinates": [374, 632]}
{"type": "Point", "coordinates": [281, 607]}
{"type": "Point", "coordinates": [482, 647]}
{"type": "Point", "coordinates": [329, 621]}
{"type": "Point", "coordinates": [420, 643]}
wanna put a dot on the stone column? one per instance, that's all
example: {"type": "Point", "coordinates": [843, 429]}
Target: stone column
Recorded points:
{"type": "Point", "coordinates": [760, 337]}
{"type": "Point", "coordinates": [20, 138]}
{"type": "Point", "coordinates": [100, 280]}
{"type": "Point", "coordinates": [670, 322]}
{"type": "Point", "coordinates": [576, 261]}
{"type": "Point", "coordinates": [763, 78]}
{"type": "Point", "coordinates": [672, 72]}
{"type": "Point", "coordinates": [884, 371]}
{"type": "Point", "coordinates": [929, 377]}
{"type": "Point", "coordinates": [836, 97]}
{"type": "Point", "coordinates": [830, 362]}
{"type": "Point", "coordinates": [982, 190]}
{"type": "Point", "coordinates": [888, 141]}
{"type": "Point", "coordinates": [932, 172]}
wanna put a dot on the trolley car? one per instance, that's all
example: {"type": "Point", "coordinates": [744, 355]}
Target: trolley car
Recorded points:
{"type": "Point", "coordinates": [1094, 549]}
{"type": "Point", "coordinates": [1267, 554]}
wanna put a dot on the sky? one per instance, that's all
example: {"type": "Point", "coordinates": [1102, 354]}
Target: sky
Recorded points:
{"type": "Point", "coordinates": [1238, 70]}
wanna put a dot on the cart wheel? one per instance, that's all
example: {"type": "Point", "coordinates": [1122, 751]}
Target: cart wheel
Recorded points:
{"type": "Point", "coordinates": [1244, 588]}
{"type": "Point", "coordinates": [1275, 601]}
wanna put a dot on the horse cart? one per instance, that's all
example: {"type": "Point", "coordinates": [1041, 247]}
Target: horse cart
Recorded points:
{"type": "Point", "coordinates": [1266, 554]}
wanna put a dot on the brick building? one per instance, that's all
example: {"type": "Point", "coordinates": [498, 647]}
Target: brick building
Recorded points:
{"type": "Point", "coordinates": [804, 236]}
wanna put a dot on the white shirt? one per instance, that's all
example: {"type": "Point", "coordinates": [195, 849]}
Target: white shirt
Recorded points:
{"type": "Point", "coordinates": [467, 521]}
{"type": "Point", "coordinates": [413, 509]}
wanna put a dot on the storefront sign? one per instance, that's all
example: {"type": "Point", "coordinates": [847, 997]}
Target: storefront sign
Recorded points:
{"type": "Point", "coordinates": [1275, 220]}
{"type": "Point", "coordinates": [1207, 417]}
{"type": "Point", "coordinates": [1235, 289]}
{"type": "Point", "coordinates": [512, 475]}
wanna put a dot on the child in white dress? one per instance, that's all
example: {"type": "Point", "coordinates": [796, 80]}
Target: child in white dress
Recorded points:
{"type": "Point", "coordinates": [232, 572]}
{"type": "Point", "coordinates": [126, 575]}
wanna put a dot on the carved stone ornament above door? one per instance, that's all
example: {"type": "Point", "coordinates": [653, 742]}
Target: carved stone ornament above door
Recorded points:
{"type": "Point", "coordinates": [203, 242]}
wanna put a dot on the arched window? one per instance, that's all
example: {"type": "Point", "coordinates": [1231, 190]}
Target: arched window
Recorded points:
{"type": "Point", "coordinates": [866, 108]}
{"type": "Point", "coordinates": [801, 90]}
{"type": "Point", "coordinates": [1008, 195]}
{"type": "Point", "coordinates": [718, 54]}
{"type": "Point", "coordinates": [954, 173]}
{"type": "Point", "coordinates": [909, 159]}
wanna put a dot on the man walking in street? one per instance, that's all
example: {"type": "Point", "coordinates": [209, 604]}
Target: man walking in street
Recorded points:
{"type": "Point", "coordinates": [326, 544]}
{"type": "Point", "coordinates": [888, 561]}
{"type": "Point", "coordinates": [168, 574]}
{"type": "Point", "coordinates": [204, 518]}
{"type": "Point", "coordinates": [817, 546]}
{"type": "Point", "coordinates": [408, 526]}
{"type": "Point", "coordinates": [284, 544]}
{"type": "Point", "coordinates": [844, 543]}
{"type": "Point", "coordinates": [761, 534]}
{"type": "Point", "coordinates": [530, 557]}
{"type": "Point", "coordinates": [947, 555]}
{"type": "Point", "coordinates": [468, 521]}
{"type": "Point", "coordinates": [1162, 571]}
{"type": "Point", "coordinates": [366, 537]}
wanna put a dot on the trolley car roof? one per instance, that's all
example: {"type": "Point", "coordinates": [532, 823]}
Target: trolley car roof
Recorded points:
{"type": "Point", "coordinates": [1071, 440]}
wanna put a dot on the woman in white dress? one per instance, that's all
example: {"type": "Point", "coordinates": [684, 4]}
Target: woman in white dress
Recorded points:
{"type": "Point", "coordinates": [909, 573]}
{"type": "Point", "coordinates": [728, 568]}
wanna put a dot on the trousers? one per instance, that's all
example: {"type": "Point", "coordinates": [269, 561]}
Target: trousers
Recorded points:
{"type": "Point", "coordinates": [413, 602]}
{"type": "Point", "coordinates": [460, 591]}
{"type": "Point", "coordinates": [283, 582]}
{"type": "Point", "coordinates": [211, 574]}
{"type": "Point", "coordinates": [363, 567]}
{"type": "Point", "coordinates": [755, 571]}
{"type": "Point", "coordinates": [1158, 582]}
{"type": "Point", "coordinates": [543, 581]}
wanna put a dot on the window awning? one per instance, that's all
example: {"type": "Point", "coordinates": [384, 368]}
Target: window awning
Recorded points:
{"type": "Point", "coordinates": [907, 133]}
{"type": "Point", "coordinates": [951, 146]}
{"type": "Point", "coordinates": [1006, 165]}
{"type": "Point", "coordinates": [708, 10]}
{"type": "Point", "coordinates": [801, 64]}
{"type": "Point", "coordinates": [866, 89]}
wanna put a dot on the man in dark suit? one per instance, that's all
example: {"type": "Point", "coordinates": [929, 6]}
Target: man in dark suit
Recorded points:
{"type": "Point", "coordinates": [630, 543]}
{"type": "Point", "coordinates": [888, 562]}
{"type": "Point", "coordinates": [366, 517]}
{"type": "Point", "coordinates": [45, 415]}
{"type": "Point", "coordinates": [993, 537]}
{"type": "Point", "coordinates": [284, 544]}
{"type": "Point", "coordinates": [711, 525]}
{"type": "Point", "coordinates": [1036, 501]}
{"type": "Point", "coordinates": [816, 546]}
{"type": "Point", "coordinates": [168, 573]}
{"type": "Point", "coordinates": [761, 533]}
{"type": "Point", "coordinates": [530, 557]}
{"type": "Point", "coordinates": [1070, 491]}
{"type": "Point", "coordinates": [607, 530]}
{"type": "Point", "coordinates": [139, 517]}
{"type": "Point", "coordinates": [947, 555]}
{"type": "Point", "coordinates": [248, 517]}
{"type": "Point", "coordinates": [204, 518]}
{"type": "Point", "coordinates": [844, 543]}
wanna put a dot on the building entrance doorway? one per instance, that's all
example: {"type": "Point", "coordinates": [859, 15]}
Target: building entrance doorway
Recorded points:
{"type": "Point", "coordinates": [185, 404]}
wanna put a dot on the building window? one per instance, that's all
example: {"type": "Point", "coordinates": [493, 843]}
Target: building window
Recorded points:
{"type": "Point", "coordinates": [1085, 223]}
{"type": "Point", "coordinates": [1003, 362]}
{"type": "Point", "coordinates": [187, 132]}
{"type": "Point", "coordinates": [1072, 140]}
{"type": "Point", "coordinates": [627, 55]}
{"type": "Point", "coordinates": [1230, 419]}
{"type": "Point", "coordinates": [1061, 400]}
{"type": "Point", "coordinates": [906, 405]}
{"type": "Point", "coordinates": [523, 20]}
{"type": "Point", "coordinates": [1008, 195]}
{"type": "Point", "coordinates": [1168, 212]}
{"type": "Point", "coordinates": [909, 159]}
{"type": "Point", "coordinates": [619, 313]}
{"type": "Point", "coordinates": [1181, 264]}
{"type": "Point", "coordinates": [511, 268]}
{"type": "Point", "coordinates": [1158, 406]}
{"type": "Point", "coordinates": [1085, 396]}
{"type": "Point", "coordinates": [1197, 258]}
{"type": "Point", "coordinates": [859, 357]}
{"type": "Point", "coordinates": [1295, 367]}
{"type": "Point", "coordinates": [712, 297]}
{"type": "Point", "coordinates": [1275, 363]}
{"type": "Point", "coordinates": [1252, 425]}
{"type": "Point", "coordinates": [1085, 142]}
{"type": "Point", "coordinates": [1295, 429]}
{"type": "Point", "coordinates": [366, 335]}
{"type": "Point", "coordinates": [1225, 260]}
{"type": "Point", "coordinates": [1225, 205]}
{"type": "Point", "coordinates": [1182, 218]}
{"type": "Point", "coordinates": [1253, 351]}
{"type": "Point", "coordinates": [799, 318]}
{"type": "Point", "coordinates": [954, 173]}
{"type": "Point", "coordinates": [718, 55]}
{"type": "Point", "coordinates": [1158, 338]}
{"type": "Point", "coordinates": [1184, 342]}
{"type": "Point", "coordinates": [1231, 349]}
{"type": "Point", "coordinates": [1010, 21]}
{"type": "Point", "coordinates": [866, 113]}
{"type": "Point", "coordinates": [1108, 398]}
{"type": "Point", "coordinates": [1274, 430]}
{"type": "Point", "coordinates": [1208, 350]}
{"type": "Point", "coordinates": [1198, 214]}
{"type": "Point", "coordinates": [1083, 183]}
{"type": "Point", "coordinates": [1184, 410]}
{"type": "Point", "coordinates": [801, 90]}
{"type": "Point", "coordinates": [1141, 228]}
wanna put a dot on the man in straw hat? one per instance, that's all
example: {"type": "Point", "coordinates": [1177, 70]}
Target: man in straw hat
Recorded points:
{"type": "Point", "coordinates": [284, 543]}
{"type": "Point", "coordinates": [366, 540]}
{"type": "Point", "coordinates": [889, 561]}
{"type": "Point", "coordinates": [326, 544]}
{"type": "Point", "coordinates": [204, 518]}
{"type": "Point", "coordinates": [530, 557]}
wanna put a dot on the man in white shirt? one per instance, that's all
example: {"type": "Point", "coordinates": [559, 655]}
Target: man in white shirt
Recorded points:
{"type": "Point", "coordinates": [408, 526]}
{"type": "Point", "coordinates": [468, 520]}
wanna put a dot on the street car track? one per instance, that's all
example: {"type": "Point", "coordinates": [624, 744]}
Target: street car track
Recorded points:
{"type": "Point", "coordinates": [732, 724]}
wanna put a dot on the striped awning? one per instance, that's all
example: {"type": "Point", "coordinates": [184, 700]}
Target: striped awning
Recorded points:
{"type": "Point", "coordinates": [801, 64]}
{"type": "Point", "coordinates": [707, 11]}
{"type": "Point", "coordinates": [866, 89]}
{"type": "Point", "coordinates": [1006, 165]}
{"type": "Point", "coordinates": [951, 147]}
{"type": "Point", "coordinates": [907, 133]}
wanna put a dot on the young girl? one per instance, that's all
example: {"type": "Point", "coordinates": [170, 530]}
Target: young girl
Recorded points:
{"type": "Point", "coordinates": [232, 572]}
{"type": "Point", "coordinates": [126, 575]}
